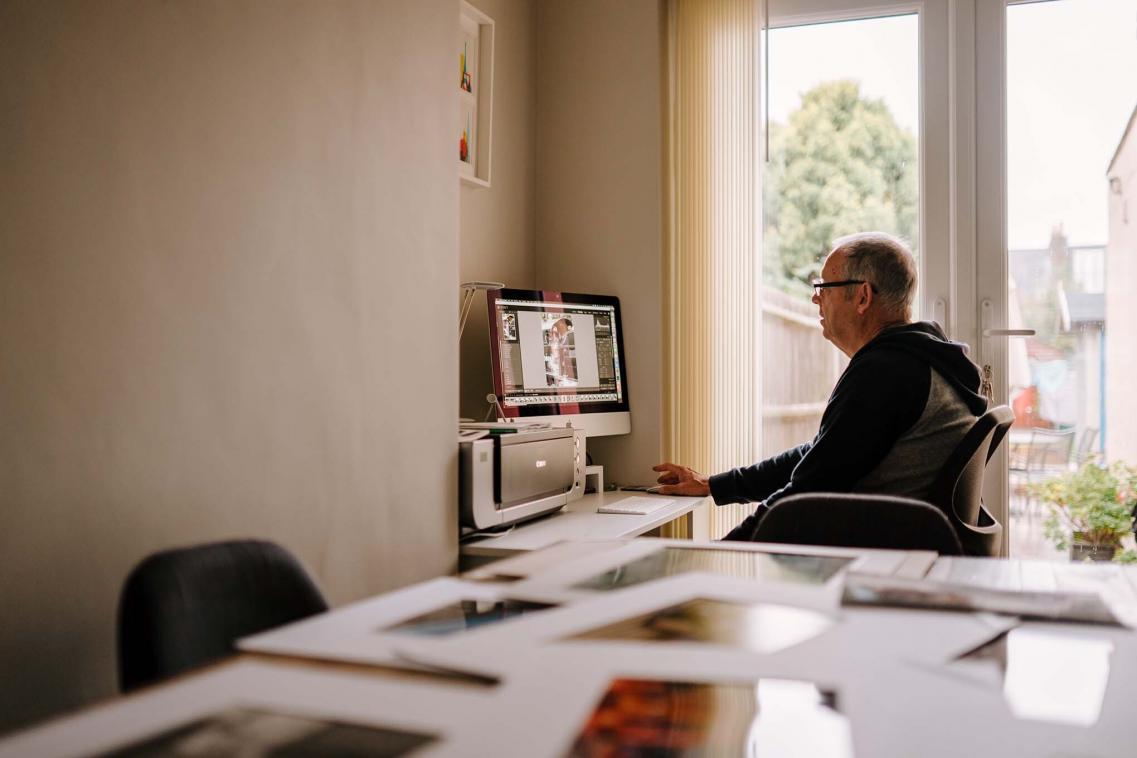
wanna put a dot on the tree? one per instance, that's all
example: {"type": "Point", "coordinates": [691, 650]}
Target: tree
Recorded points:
{"type": "Point", "coordinates": [841, 165]}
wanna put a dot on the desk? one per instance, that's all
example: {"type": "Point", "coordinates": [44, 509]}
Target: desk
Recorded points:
{"type": "Point", "coordinates": [897, 699]}
{"type": "Point", "coordinates": [579, 521]}
{"type": "Point", "coordinates": [1116, 582]}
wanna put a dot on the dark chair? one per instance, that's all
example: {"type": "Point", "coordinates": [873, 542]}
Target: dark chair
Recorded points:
{"type": "Point", "coordinates": [958, 490]}
{"type": "Point", "coordinates": [874, 521]}
{"type": "Point", "coordinates": [186, 607]}
{"type": "Point", "coordinates": [846, 520]}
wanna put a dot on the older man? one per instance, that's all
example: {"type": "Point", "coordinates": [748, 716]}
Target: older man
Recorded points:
{"type": "Point", "coordinates": [901, 406]}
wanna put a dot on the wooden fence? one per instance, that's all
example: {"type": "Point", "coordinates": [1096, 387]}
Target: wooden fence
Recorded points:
{"type": "Point", "coordinates": [799, 368]}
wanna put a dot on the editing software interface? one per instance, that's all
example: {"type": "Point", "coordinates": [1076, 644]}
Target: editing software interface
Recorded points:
{"type": "Point", "coordinates": [557, 353]}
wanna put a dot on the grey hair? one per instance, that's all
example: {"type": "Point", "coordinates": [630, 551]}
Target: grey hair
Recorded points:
{"type": "Point", "coordinates": [884, 261]}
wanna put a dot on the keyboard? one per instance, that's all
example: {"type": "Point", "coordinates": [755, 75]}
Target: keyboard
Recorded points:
{"type": "Point", "coordinates": [635, 506]}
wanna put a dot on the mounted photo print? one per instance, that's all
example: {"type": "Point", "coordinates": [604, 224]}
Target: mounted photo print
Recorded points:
{"type": "Point", "coordinates": [662, 717]}
{"type": "Point", "coordinates": [474, 77]}
{"type": "Point", "coordinates": [260, 708]}
{"type": "Point", "coordinates": [617, 566]}
{"type": "Point", "coordinates": [371, 631]}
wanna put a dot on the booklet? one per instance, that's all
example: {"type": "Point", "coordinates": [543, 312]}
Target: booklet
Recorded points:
{"type": "Point", "coordinates": [1083, 607]}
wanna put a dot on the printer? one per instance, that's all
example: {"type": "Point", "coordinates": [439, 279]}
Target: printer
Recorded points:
{"type": "Point", "coordinates": [505, 478]}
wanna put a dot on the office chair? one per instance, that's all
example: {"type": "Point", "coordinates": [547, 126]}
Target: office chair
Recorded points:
{"type": "Point", "coordinates": [186, 607]}
{"type": "Point", "coordinates": [958, 490]}
{"type": "Point", "coordinates": [881, 521]}
{"type": "Point", "coordinates": [849, 520]}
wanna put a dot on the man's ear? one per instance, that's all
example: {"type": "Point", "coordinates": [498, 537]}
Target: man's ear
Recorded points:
{"type": "Point", "coordinates": [864, 298]}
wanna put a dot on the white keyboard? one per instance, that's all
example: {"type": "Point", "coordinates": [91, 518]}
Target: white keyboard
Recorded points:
{"type": "Point", "coordinates": [635, 506]}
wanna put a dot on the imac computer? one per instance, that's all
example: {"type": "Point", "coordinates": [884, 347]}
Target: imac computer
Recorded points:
{"type": "Point", "coordinates": [559, 357]}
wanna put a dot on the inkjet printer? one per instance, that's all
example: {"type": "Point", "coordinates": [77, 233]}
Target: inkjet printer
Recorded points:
{"type": "Point", "coordinates": [515, 474]}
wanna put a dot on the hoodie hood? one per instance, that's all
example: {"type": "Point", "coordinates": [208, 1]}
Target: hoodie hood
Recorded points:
{"type": "Point", "coordinates": [927, 341]}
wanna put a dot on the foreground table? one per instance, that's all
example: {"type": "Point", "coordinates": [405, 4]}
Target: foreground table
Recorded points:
{"type": "Point", "coordinates": [770, 661]}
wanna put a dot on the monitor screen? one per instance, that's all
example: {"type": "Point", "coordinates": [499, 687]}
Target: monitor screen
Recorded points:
{"type": "Point", "coordinates": [559, 356]}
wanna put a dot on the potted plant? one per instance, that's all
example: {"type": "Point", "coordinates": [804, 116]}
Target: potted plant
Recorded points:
{"type": "Point", "coordinates": [1091, 509]}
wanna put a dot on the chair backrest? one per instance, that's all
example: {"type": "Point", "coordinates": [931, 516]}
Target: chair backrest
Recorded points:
{"type": "Point", "coordinates": [958, 490]}
{"type": "Point", "coordinates": [186, 607]}
{"type": "Point", "coordinates": [867, 521]}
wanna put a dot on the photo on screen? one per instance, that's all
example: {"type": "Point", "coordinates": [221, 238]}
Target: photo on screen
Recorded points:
{"type": "Point", "coordinates": [667, 718]}
{"type": "Point", "coordinates": [253, 733]}
{"type": "Point", "coordinates": [786, 567]}
{"type": "Point", "coordinates": [761, 628]}
{"type": "Point", "coordinates": [559, 340]}
{"type": "Point", "coordinates": [463, 615]}
{"type": "Point", "coordinates": [509, 326]}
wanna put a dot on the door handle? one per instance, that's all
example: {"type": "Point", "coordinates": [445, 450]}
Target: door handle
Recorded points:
{"type": "Point", "coordinates": [986, 311]}
{"type": "Point", "coordinates": [986, 316]}
{"type": "Point", "coordinates": [1008, 332]}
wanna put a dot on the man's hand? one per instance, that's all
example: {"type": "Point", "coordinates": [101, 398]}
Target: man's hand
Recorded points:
{"type": "Point", "coordinates": [680, 480]}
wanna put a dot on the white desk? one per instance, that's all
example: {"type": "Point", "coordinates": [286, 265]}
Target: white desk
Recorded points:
{"type": "Point", "coordinates": [580, 521]}
{"type": "Point", "coordinates": [899, 700]}
{"type": "Point", "coordinates": [1116, 582]}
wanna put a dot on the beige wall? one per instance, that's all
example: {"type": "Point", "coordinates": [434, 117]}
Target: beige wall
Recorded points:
{"type": "Point", "coordinates": [1120, 305]}
{"type": "Point", "coordinates": [496, 228]}
{"type": "Point", "coordinates": [228, 257]}
{"type": "Point", "coordinates": [598, 189]}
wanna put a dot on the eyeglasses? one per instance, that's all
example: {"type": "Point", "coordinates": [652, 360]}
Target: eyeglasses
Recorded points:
{"type": "Point", "coordinates": [819, 284]}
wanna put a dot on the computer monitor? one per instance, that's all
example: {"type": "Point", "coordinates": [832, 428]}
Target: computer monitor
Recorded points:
{"type": "Point", "coordinates": [559, 357]}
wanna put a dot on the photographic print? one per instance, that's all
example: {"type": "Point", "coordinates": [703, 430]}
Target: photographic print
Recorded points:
{"type": "Point", "coordinates": [668, 718]}
{"type": "Point", "coordinates": [1084, 607]}
{"type": "Point", "coordinates": [463, 615]}
{"type": "Point", "coordinates": [467, 74]}
{"type": "Point", "coordinates": [1045, 675]}
{"type": "Point", "coordinates": [762, 628]}
{"type": "Point", "coordinates": [474, 75]}
{"type": "Point", "coordinates": [373, 631]}
{"type": "Point", "coordinates": [811, 569]}
{"type": "Point", "coordinates": [253, 733]}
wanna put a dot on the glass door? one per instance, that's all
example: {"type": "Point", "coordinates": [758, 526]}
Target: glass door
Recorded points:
{"type": "Point", "coordinates": [856, 113]}
{"type": "Point", "coordinates": [1067, 246]}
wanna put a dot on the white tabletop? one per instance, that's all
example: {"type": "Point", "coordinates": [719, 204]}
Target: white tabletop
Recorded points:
{"type": "Point", "coordinates": [1116, 582]}
{"type": "Point", "coordinates": [579, 521]}
{"type": "Point", "coordinates": [896, 674]}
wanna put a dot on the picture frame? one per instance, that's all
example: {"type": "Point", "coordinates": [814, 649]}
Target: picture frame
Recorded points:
{"type": "Point", "coordinates": [475, 95]}
{"type": "Point", "coordinates": [792, 627]}
{"type": "Point", "coordinates": [566, 580]}
{"type": "Point", "coordinates": [372, 631]}
{"type": "Point", "coordinates": [443, 720]}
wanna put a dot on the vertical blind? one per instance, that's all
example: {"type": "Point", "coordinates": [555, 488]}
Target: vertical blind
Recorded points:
{"type": "Point", "coordinates": [712, 273]}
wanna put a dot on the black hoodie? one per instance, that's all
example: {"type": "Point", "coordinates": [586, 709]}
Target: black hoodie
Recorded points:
{"type": "Point", "coordinates": [879, 397]}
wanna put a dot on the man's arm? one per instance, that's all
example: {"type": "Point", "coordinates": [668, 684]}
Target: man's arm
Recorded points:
{"type": "Point", "coordinates": [757, 482]}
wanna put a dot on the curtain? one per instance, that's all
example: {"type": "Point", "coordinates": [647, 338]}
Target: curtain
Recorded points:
{"type": "Point", "coordinates": [712, 262]}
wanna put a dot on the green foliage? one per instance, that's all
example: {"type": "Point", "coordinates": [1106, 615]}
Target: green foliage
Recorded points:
{"type": "Point", "coordinates": [1094, 502]}
{"type": "Point", "coordinates": [841, 165]}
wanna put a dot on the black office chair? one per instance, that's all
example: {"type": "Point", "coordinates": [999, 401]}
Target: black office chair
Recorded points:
{"type": "Point", "coordinates": [958, 490]}
{"type": "Point", "coordinates": [186, 607]}
{"type": "Point", "coordinates": [848, 520]}
{"type": "Point", "coordinates": [879, 521]}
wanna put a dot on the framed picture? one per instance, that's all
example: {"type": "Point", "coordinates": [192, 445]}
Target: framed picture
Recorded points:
{"type": "Point", "coordinates": [265, 708]}
{"type": "Point", "coordinates": [372, 631]}
{"type": "Point", "coordinates": [474, 78]}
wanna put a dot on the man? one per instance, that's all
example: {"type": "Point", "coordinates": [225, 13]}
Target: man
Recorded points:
{"type": "Point", "coordinates": [906, 399]}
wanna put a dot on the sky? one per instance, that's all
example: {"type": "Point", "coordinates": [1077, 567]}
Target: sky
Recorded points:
{"type": "Point", "coordinates": [1071, 87]}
